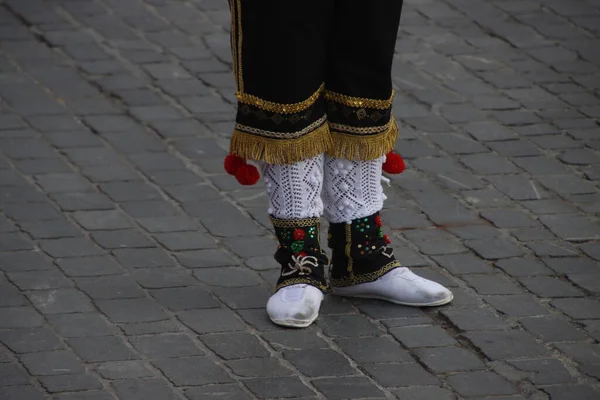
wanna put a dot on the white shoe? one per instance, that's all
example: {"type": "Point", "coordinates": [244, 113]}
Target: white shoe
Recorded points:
{"type": "Point", "coordinates": [400, 286]}
{"type": "Point", "coordinates": [295, 306]}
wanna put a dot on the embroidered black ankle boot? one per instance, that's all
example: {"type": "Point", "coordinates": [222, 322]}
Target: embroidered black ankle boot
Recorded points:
{"type": "Point", "coordinates": [302, 282]}
{"type": "Point", "coordinates": [363, 265]}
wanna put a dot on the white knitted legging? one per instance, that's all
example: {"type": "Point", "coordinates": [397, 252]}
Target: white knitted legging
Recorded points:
{"type": "Point", "coordinates": [352, 189]}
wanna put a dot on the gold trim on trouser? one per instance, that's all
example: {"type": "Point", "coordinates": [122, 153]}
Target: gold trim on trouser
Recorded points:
{"type": "Point", "coordinates": [236, 42]}
{"type": "Point", "coordinates": [360, 101]}
{"type": "Point", "coordinates": [281, 151]}
{"type": "Point", "coordinates": [363, 147]}
{"type": "Point", "coordinates": [280, 108]}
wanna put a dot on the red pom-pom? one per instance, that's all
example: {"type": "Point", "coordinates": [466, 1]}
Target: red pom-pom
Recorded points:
{"type": "Point", "coordinates": [394, 164]}
{"type": "Point", "coordinates": [378, 221]}
{"type": "Point", "coordinates": [387, 239]}
{"type": "Point", "coordinates": [247, 174]}
{"type": "Point", "coordinates": [233, 163]}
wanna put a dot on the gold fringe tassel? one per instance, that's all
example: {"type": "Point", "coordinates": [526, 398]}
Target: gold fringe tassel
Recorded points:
{"type": "Point", "coordinates": [281, 151]}
{"type": "Point", "coordinates": [361, 147]}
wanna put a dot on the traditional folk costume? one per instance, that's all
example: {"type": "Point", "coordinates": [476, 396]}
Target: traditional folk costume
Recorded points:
{"type": "Point", "coordinates": [314, 98]}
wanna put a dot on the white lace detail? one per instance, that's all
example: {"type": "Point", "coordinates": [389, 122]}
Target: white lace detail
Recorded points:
{"type": "Point", "coordinates": [352, 189]}
{"type": "Point", "coordinates": [294, 190]}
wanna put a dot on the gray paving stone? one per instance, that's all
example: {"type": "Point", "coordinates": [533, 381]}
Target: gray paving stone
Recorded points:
{"type": "Point", "coordinates": [584, 353]}
{"type": "Point", "coordinates": [70, 247]}
{"type": "Point", "coordinates": [168, 224]}
{"type": "Point", "coordinates": [422, 336]}
{"type": "Point", "coordinates": [571, 227]}
{"type": "Point", "coordinates": [101, 349]}
{"type": "Point", "coordinates": [52, 363]}
{"type": "Point", "coordinates": [578, 308]}
{"type": "Point", "coordinates": [517, 305]}
{"type": "Point", "coordinates": [41, 166]}
{"type": "Point", "coordinates": [481, 383]}
{"type": "Point", "coordinates": [518, 187]}
{"type": "Point", "coordinates": [125, 238]}
{"type": "Point", "coordinates": [506, 345]}
{"type": "Point", "coordinates": [143, 258]}
{"type": "Point", "coordinates": [124, 370]}
{"type": "Point", "coordinates": [30, 340]}
{"type": "Point", "coordinates": [50, 229]}
{"type": "Point", "coordinates": [424, 393]}
{"type": "Point", "coordinates": [150, 328]}
{"type": "Point", "coordinates": [21, 392]}
{"type": "Point", "coordinates": [231, 346]}
{"type": "Point", "coordinates": [82, 201]}
{"type": "Point", "coordinates": [217, 392]}
{"type": "Point", "coordinates": [209, 214]}
{"type": "Point", "coordinates": [589, 282]}
{"type": "Point", "coordinates": [259, 368]}
{"type": "Point", "coordinates": [64, 183]}
{"type": "Point", "coordinates": [545, 286]}
{"type": "Point", "coordinates": [579, 157]}
{"type": "Point", "coordinates": [571, 265]}
{"type": "Point", "coordinates": [475, 319]}
{"type": "Point", "coordinates": [374, 350]}
{"type": "Point", "coordinates": [68, 383]}
{"type": "Point", "coordinates": [493, 249]}
{"type": "Point", "coordinates": [592, 249]}
{"type": "Point", "coordinates": [144, 389]}
{"type": "Point", "coordinates": [211, 320]}
{"type": "Point", "coordinates": [508, 218]}
{"type": "Point", "coordinates": [166, 346]}
{"type": "Point", "coordinates": [434, 241]}
{"type": "Point", "coordinates": [400, 375]}
{"type": "Point", "coordinates": [492, 284]}
{"type": "Point", "coordinates": [130, 191]}
{"type": "Point", "coordinates": [156, 278]}
{"type": "Point", "coordinates": [181, 241]}
{"type": "Point", "coordinates": [449, 359]}
{"type": "Point", "coordinates": [89, 266]}
{"type": "Point", "coordinates": [145, 209]}
{"type": "Point", "coordinates": [488, 164]}
{"type": "Point", "coordinates": [245, 297]}
{"type": "Point", "coordinates": [13, 242]}
{"type": "Point", "coordinates": [347, 326]}
{"type": "Point", "coordinates": [193, 371]}
{"type": "Point", "coordinates": [382, 310]}
{"type": "Point", "coordinates": [567, 184]}
{"type": "Point", "coordinates": [553, 248]}
{"type": "Point", "coordinates": [184, 298]}
{"type": "Point", "coordinates": [295, 340]}
{"type": "Point", "coordinates": [110, 287]}
{"type": "Point", "coordinates": [552, 329]}
{"type": "Point", "coordinates": [131, 310]}
{"type": "Point", "coordinates": [58, 301]}
{"type": "Point", "coordinates": [12, 374]}
{"type": "Point", "coordinates": [344, 388]}
{"type": "Point", "coordinates": [315, 363]}
{"type": "Point", "coordinates": [279, 387]}
{"type": "Point", "coordinates": [582, 392]}
{"type": "Point", "coordinates": [81, 325]}
{"type": "Point", "coordinates": [544, 371]}
{"type": "Point", "coordinates": [489, 130]}
{"type": "Point", "coordinates": [228, 277]}
{"type": "Point", "coordinates": [39, 280]}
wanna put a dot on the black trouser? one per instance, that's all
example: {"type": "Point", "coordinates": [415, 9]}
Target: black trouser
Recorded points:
{"type": "Point", "coordinates": [313, 76]}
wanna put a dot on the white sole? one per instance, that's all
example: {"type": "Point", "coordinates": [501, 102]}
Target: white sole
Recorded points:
{"type": "Point", "coordinates": [368, 296]}
{"type": "Point", "coordinates": [294, 323]}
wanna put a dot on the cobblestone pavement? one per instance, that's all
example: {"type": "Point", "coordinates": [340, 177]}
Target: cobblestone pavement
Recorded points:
{"type": "Point", "coordinates": [133, 268]}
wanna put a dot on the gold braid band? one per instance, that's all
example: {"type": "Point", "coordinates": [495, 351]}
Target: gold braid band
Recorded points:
{"type": "Point", "coordinates": [295, 223]}
{"type": "Point", "coordinates": [360, 101]}
{"type": "Point", "coordinates": [363, 147]}
{"type": "Point", "coordinates": [280, 108]}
